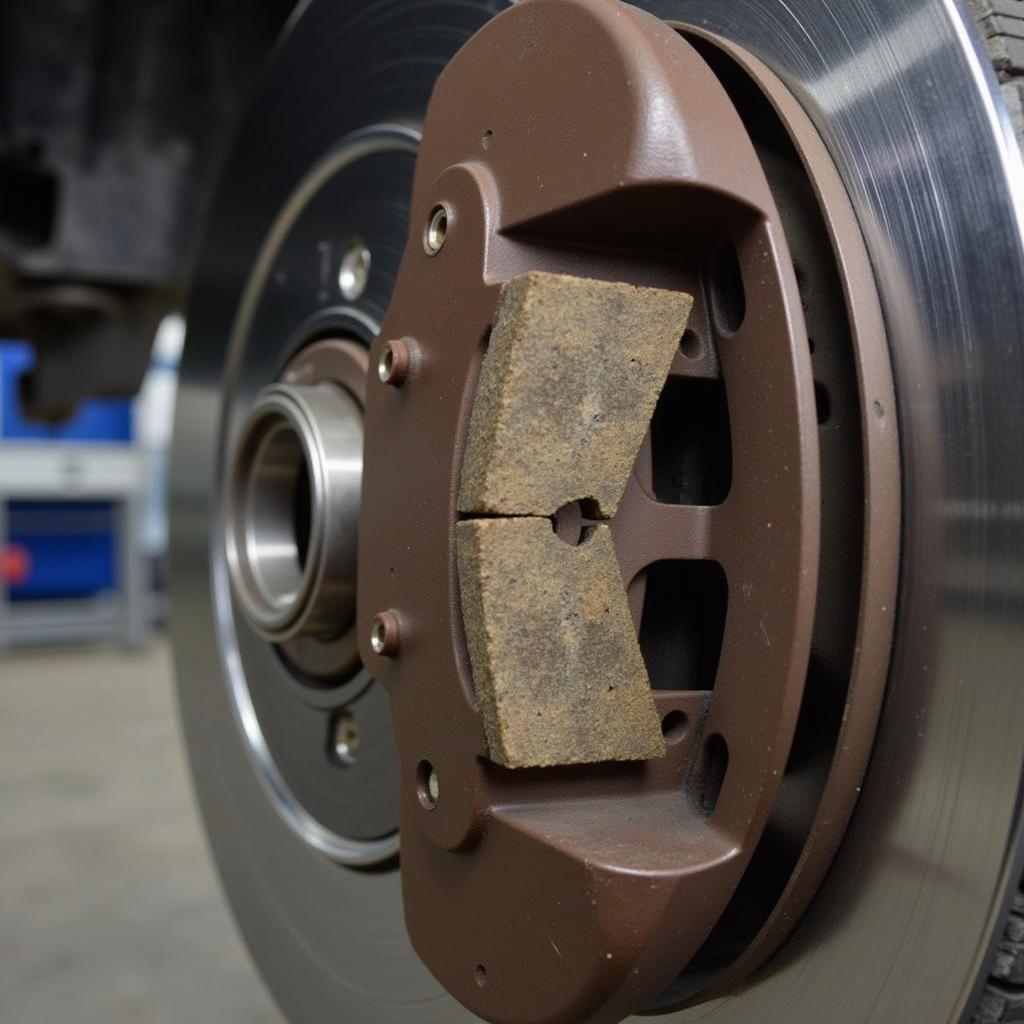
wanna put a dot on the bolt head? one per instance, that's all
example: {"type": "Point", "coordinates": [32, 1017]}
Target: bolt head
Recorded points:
{"type": "Point", "coordinates": [393, 363]}
{"type": "Point", "coordinates": [346, 739]}
{"type": "Point", "coordinates": [354, 273]}
{"type": "Point", "coordinates": [384, 634]}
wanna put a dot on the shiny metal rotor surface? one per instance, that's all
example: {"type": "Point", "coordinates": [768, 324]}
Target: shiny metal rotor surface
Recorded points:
{"type": "Point", "coordinates": [903, 99]}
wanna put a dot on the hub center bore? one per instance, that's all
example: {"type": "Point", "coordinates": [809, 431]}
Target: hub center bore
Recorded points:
{"type": "Point", "coordinates": [293, 511]}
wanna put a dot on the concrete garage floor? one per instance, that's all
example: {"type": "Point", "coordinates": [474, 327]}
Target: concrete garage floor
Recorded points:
{"type": "Point", "coordinates": [109, 909]}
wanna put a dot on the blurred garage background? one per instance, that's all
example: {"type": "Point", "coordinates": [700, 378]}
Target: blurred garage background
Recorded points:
{"type": "Point", "coordinates": [109, 907]}
{"type": "Point", "coordinates": [114, 116]}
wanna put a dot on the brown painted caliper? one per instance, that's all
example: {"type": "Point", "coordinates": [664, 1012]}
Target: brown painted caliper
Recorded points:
{"type": "Point", "coordinates": [586, 138]}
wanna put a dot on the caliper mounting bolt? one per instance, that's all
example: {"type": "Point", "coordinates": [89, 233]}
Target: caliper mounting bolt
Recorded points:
{"type": "Point", "coordinates": [393, 364]}
{"type": "Point", "coordinates": [384, 634]}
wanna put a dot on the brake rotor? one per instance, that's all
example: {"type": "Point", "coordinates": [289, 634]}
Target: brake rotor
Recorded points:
{"type": "Point", "coordinates": [294, 756]}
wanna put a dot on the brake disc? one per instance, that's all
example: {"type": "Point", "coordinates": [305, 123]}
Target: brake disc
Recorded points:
{"type": "Point", "coordinates": [826, 207]}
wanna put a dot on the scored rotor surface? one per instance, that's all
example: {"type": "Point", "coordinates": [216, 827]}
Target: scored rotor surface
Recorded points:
{"type": "Point", "coordinates": [903, 100]}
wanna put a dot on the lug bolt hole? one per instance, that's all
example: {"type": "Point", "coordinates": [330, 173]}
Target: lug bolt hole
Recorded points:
{"type": "Point", "coordinates": [345, 739]}
{"type": "Point", "coordinates": [355, 270]}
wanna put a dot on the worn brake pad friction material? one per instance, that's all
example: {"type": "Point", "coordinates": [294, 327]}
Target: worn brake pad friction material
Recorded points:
{"type": "Point", "coordinates": [567, 391]}
{"type": "Point", "coordinates": [558, 671]}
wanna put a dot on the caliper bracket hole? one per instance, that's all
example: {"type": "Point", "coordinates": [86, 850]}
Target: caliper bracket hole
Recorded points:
{"type": "Point", "coordinates": [683, 623]}
{"type": "Point", "coordinates": [691, 443]}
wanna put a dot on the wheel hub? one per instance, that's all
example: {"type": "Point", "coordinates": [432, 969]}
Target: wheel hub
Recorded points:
{"type": "Point", "coordinates": [294, 511]}
{"type": "Point", "coordinates": [285, 557]}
